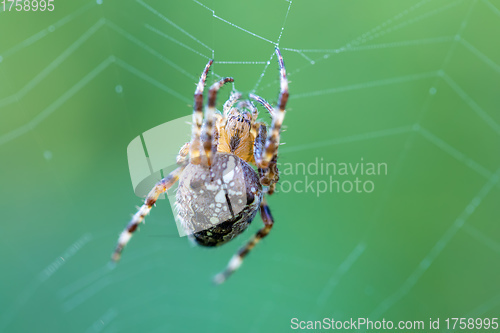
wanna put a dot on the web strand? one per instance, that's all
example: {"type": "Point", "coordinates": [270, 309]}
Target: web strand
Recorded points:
{"type": "Point", "coordinates": [87, 287]}
{"type": "Point", "coordinates": [161, 16]}
{"type": "Point", "coordinates": [232, 24]}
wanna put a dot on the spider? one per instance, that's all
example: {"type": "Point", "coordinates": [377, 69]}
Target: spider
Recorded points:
{"type": "Point", "coordinates": [219, 191]}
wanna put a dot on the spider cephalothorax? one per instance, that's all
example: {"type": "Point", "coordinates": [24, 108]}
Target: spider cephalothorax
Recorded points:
{"type": "Point", "coordinates": [235, 135]}
{"type": "Point", "coordinates": [219, 191]}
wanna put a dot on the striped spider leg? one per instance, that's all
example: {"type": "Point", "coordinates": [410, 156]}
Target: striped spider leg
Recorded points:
{"type": "Point", "coordinates": [194, 150]}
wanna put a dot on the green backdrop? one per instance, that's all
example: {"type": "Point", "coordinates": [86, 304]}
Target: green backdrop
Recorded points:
{"type": "Point", "coordinates": [414, 85]}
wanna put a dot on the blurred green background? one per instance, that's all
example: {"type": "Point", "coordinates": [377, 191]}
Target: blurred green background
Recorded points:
{"type": "Point", "coordinates": [411, 84]}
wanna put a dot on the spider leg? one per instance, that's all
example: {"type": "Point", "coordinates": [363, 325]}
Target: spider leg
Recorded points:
{"type": "Point", "coordinates": [210, 115]}
{"type": "Point", "coordinates": [150, 200]}
{"type": "Point", "coordinates": [258, 149]}
{"type": "Point", "coordinates": [271, 189]}
{"type": "Point", "coordinates": [267, 176]}
{"type": "Point", "coordinates": [237, 259]}
{"type": "Point", "coordinates": [235, 96]}
{"type": "Point", "coordinates": [183, 154]}
{"type": "Point", "coordinates": [195, 145]}
{"type": "Point", "coordinates": [263, 102]}
{"type": "Point", "coordinates": [270, 176]}
{"type": "Point", "coordinates": [278, 114]}
{"type": "Point", "coordinates": [215, 136]}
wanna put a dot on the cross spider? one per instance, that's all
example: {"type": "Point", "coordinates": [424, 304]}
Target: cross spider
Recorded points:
{"type": "Point", "coordinates": [219, 192]}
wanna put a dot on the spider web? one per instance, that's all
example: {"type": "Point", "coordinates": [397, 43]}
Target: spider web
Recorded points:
{"type": "Point", "coordinates": [164, 34]}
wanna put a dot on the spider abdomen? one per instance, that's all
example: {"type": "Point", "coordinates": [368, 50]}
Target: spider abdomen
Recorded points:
{"type": "Point", "coordinates": [215, 204]}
